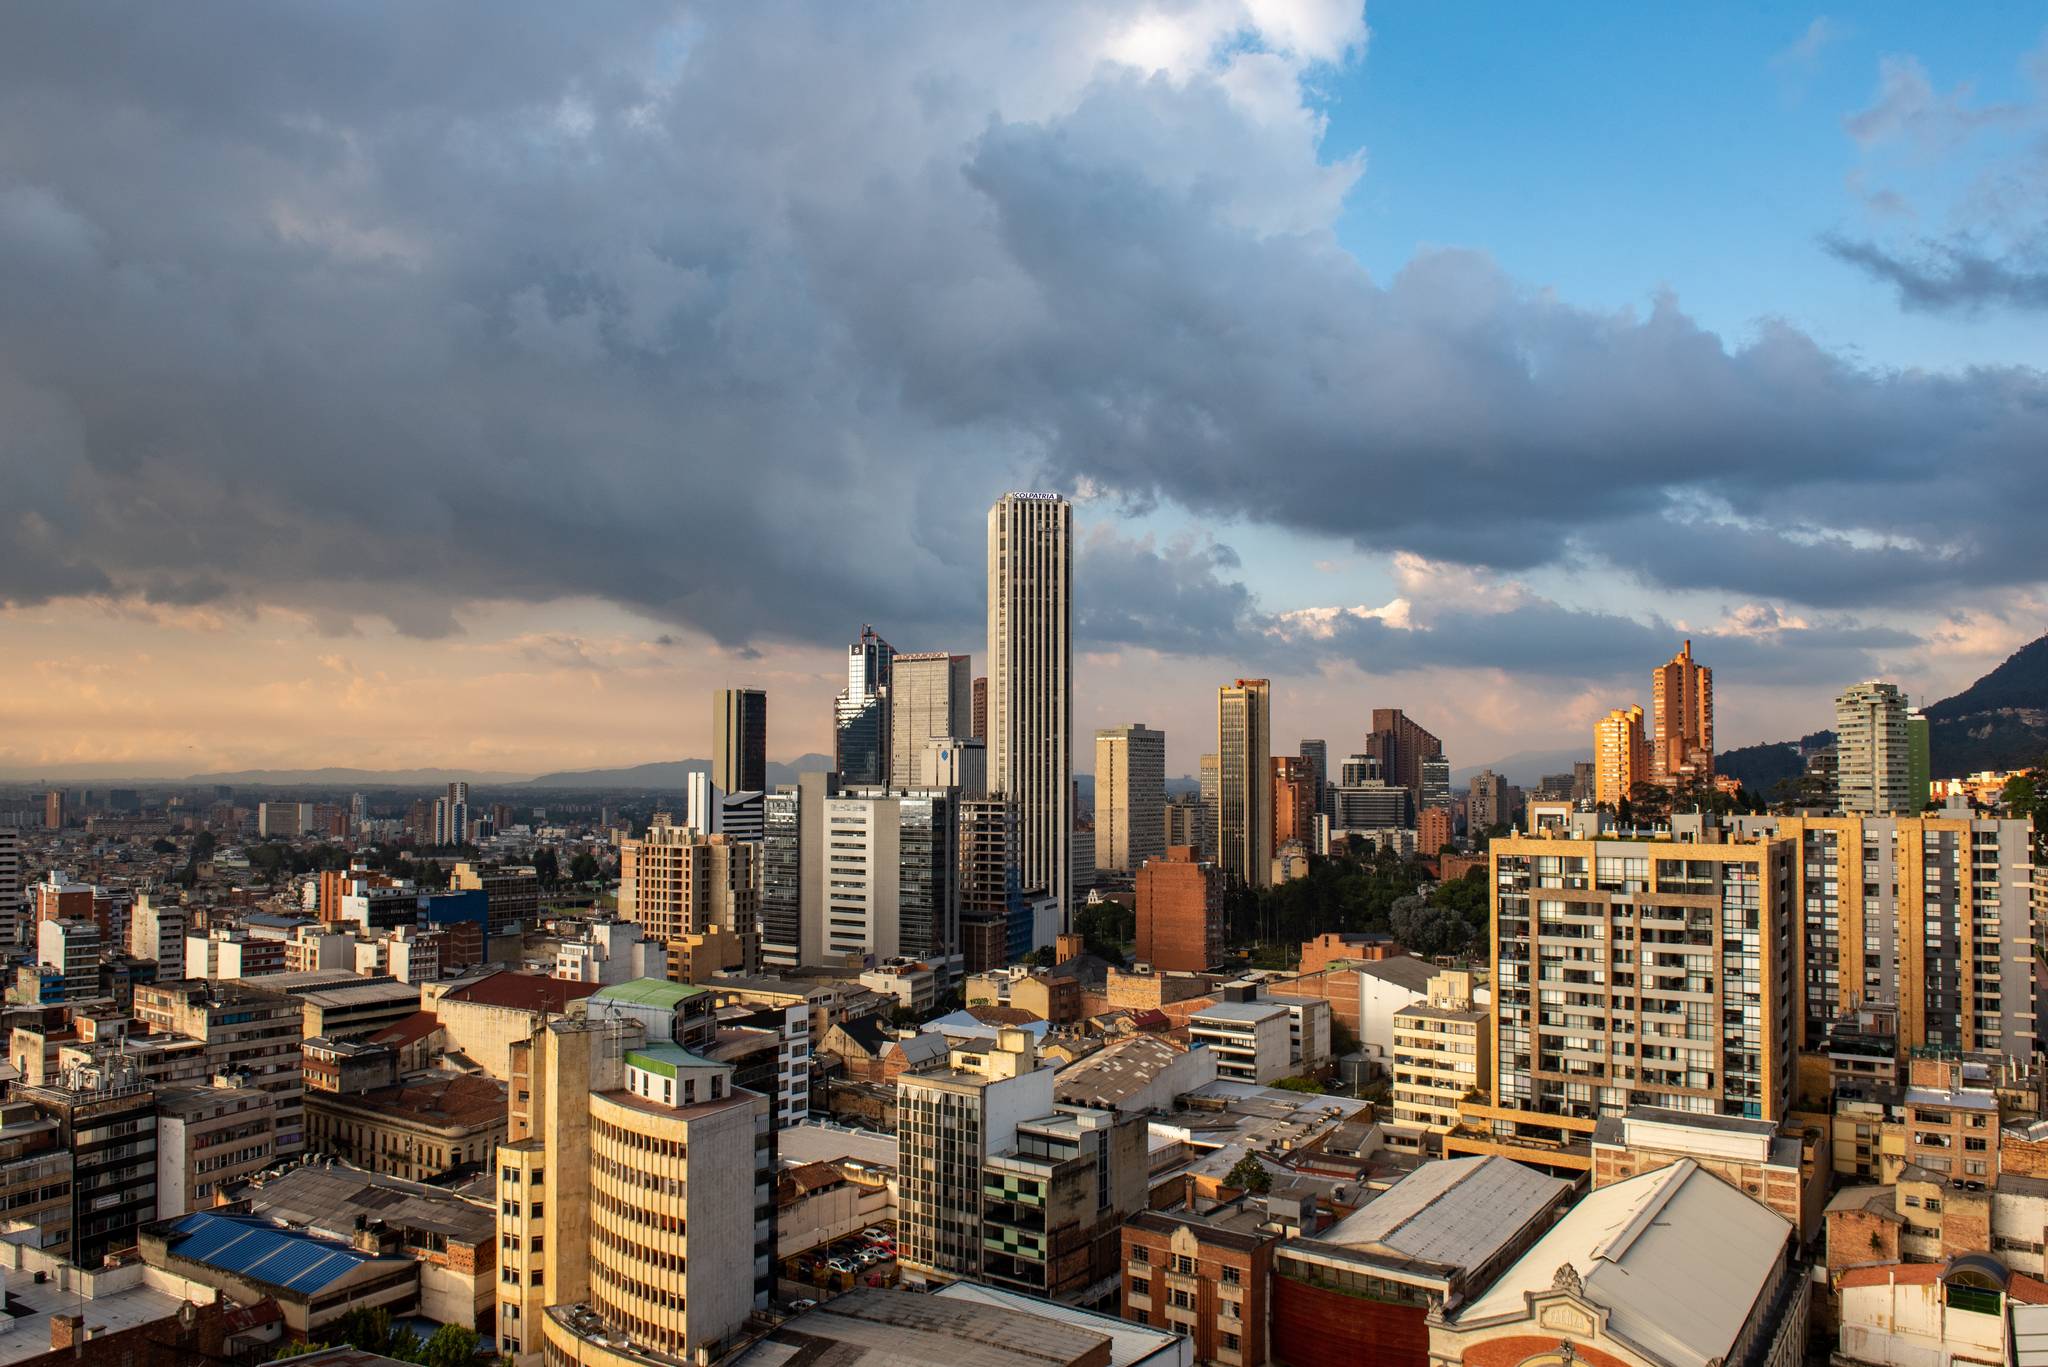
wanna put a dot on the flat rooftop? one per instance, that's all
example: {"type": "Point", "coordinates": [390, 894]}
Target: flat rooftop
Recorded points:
{"type": "Point", "coordinates": [326, 1197]}
{"type": "Point", "coordinates": [33, 1306]}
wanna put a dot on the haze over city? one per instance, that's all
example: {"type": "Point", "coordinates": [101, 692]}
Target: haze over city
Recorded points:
{"type": "Point", "coordinates": [383, 389]}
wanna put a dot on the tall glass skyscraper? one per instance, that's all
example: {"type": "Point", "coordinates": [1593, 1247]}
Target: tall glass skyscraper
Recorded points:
{"type": "Point", "coordinates": [860, 715]}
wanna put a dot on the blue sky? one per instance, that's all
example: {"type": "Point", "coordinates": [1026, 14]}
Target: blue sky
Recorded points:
{"type": "Point", "coordinates": [1610, 150]}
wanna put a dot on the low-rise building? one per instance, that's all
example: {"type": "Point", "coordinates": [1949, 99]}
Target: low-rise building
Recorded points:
{"type": "Point", "coordinates": [1968, 1310]}
{"type": "Point", "coordinates": [1782, 1170]}
{"type": "Point", "coordinates": [964, 1323]}
{"type": "Point", "coordinates": [1207, 1275]}
{"type": "Point", "coordinates": [1675, 1268]}
{"type": "Point", "coordinates": [1362, 1290]}
{"type": "Point", "coordinates": [314, 1281]}
{"type": "Point", "coordinates": [453, 1238]}
{"type": "Point", "coordinates": [1249, 1038]}
{"type": "Point", "coordinates": [425, 1127]}
{"type": "Point", "coordinates": [1442, 1054]}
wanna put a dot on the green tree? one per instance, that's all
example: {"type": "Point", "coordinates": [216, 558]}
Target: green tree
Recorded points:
{"type": "Point", "coordinates": [583, 868]}
{"type": "Point", "coordinates": [298, 1349]}
{"type": "Point", "coordinates": [1301, 1084]}
{"type": "Point", "coordinates": [452, 1345]}
{"type": "Point", "coordinates": [1250, 1175]}
{"type": "Point", "coordinates": [547, 868]}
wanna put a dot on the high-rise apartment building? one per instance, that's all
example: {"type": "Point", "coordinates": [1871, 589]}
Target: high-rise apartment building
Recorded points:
{"type": "Point", "coordinates": [1873, 751]}
{"type": "Point", "coordinates": [451, 816]}
{"type": "Point", "coordinates": [53, 809]}
{"type": "Point", "coordinates": [677, 882]}
{"type": "Point", "coordinates": [1210, 783]}
{"type": "Point", "coordinates": [71, 949]}
{"type": "Point", "coordinates": [1244, 790]}
{"type": "Point", "coordinates": [1130, 796]}
{"type": "Point", "coordinates": [11, 896]}
{"type": "Point", "coordinates": [156, 931]}
{"type": "Point", "coordinates": [1180, 927]}
{"type": "Point", "coordinates": [1644, 973]}
{"type": "Point", "coordinates": [931, 697]}
{"type": "Point", "coordinates": [739, 740]}
{"type": "Point", "coordinates": [1030, 682]}
{"type": "Point", "coordinates": [1926, 914]}
{"type": "Point", "coordinates": [1294, 802]}
{"type": "Point", "coordinates": [636, 1200]}
{"type": "Point", "coordinates": [1488, 803]}
{"type": "Point", "coordinates": [1682, 695]}
{"type": "Point", "coordinates": [107, 1119]}
{"type": "Point", "coordinates": [860, 714]}
{"type": "Point", "coordinates": [980, 715]}
{"type": "Point", "coordinates": [1582, 780]}
{"type": "Point", "coordinates": [1317, 753]}
{"type": "Point", "coordinates": [1441, 1056]}
{"type": "Point", "coordinates": [1621, 756]}
{"type": "Point", "coordinates": [950, 1123]}
{"type": "Point", "coordinates": [1919, 761]}
{"type": "Point", "coordinates": [1401, 746]}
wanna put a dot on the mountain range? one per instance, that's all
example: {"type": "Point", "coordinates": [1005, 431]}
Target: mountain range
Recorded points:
{"type": "Point", "coordinates": [1998, 722]}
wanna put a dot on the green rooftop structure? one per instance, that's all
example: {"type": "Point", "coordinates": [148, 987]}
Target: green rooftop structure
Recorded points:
{"type": "Point", "coordinates": [655, 992]}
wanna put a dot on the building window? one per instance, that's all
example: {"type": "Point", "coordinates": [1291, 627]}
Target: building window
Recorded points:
{"type": "Point", "coordinates": [1232, 1276]}
{"type": "Point", "coordinates": [1184, 1265]}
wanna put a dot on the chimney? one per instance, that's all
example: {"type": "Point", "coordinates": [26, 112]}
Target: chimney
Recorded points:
{"type": "Point", "coordinates": [67, 1331]}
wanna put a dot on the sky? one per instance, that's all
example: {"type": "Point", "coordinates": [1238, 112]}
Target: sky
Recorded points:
{"type": "Point", "coordinates": [395, 386]}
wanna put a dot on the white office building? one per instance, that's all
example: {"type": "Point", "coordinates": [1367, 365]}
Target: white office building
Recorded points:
{"type": "Point", "coordinates": [1030, 682]}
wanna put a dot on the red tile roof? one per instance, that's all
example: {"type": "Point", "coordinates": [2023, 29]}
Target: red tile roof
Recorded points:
{"type": "Point", "coordinates": [412, 1029]}
{"type": "Point", "coordinates": [524, 992]}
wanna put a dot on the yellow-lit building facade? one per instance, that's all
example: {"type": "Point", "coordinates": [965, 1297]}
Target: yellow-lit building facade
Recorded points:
{"type": "Point", "coordinates": [1621, 755]}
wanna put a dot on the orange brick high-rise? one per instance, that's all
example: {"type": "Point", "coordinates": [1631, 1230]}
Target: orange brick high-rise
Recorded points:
{"type": "Point", "coordinates": [1180, 912]}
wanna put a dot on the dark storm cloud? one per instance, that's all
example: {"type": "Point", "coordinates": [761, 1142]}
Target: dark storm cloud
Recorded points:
{"type": "Point", "coordinates": [1956, 276]}
{"type": "Point", "coordinates": [740, 316]}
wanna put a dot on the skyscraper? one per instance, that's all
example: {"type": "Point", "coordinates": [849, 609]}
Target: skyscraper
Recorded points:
{"type": "Point", "coordinates": [10, 885]}
{"type": "Point", "coordinates": [53, 809]}
{"type": "Point", "coordinates": [1919, 760]}
{"type": "Point", "coordinates": [1244, 791]}
{"type": "Point", "coordinates": [1030, 682]}
{"type": "Point", "coordinates": [739, 740]}
{"type": "Point", "coordinates": [1682, 693]}
{"type": "Point", "coordinates": [1401, 746]}
{"type": "Point", "coordinates": [860, 731]}
{"type": "Point", "coordinates": [676, 881]}
{"type": "Point", "coordinates": [1873, 747]}
{"type": "Point", "coordinates": [1317, 753]}
{"type": "Point", "coordinates": [931, 697]}
{"type": "Point", "coordinates": [1436, 781]}
{"type": "Point", "coordinates": [980, 722]}
{"type": "Point", "coordinates": [1621, 756]}
{"type": "Point", "coordinates": [451, 816]}
{"type": "Point", "coordinates": [1130, 796]}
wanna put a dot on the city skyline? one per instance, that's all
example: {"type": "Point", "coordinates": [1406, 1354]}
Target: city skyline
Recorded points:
{"type": "Point", "coordinates": [209, 598]}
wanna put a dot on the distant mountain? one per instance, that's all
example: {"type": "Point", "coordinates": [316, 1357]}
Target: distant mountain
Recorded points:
{"type": "Point", "coordinates": [360, 778]}
{"type": "Point", "coordinates": [1524, 768]}
{"type": "Point", "coordinates": [671, 776]}
{"type": "Point", "coordinates": [1998, 722]}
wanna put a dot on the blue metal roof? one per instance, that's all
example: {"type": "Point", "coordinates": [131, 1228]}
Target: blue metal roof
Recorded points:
{"type": "Point", "coordinates": [247, 1246]}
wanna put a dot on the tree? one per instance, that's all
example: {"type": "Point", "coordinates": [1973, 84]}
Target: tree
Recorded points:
{"type": "Point", "coordinates": [1301, 1084]}
{"type": "Point", "coordinates": [1106, 927]}
{"type": "Point", "coordinates": [583, 868]}
{"type": "Point", "coordinates": [1250, 1175]}
{"type": "Point", "coordinates": [547, 868]}
{"type": "Point", "coordinates": [162, 846]}
{"type": "Point", "coordinates": [298, 1349]}
{"type": "Point", "coordinates": [453, 1345]}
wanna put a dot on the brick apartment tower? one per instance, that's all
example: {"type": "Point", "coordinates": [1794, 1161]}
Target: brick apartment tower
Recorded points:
{"type": "Point", "coordinates": [1180, 913]}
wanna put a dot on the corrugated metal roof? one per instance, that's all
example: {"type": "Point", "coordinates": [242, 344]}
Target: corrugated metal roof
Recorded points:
{"type": "Point", "coordinates": [648, 992]}
{"type": "Point", "coordinates": [1457, 1211]}
{"type": "Point", "coordinates": [264, 1252]}
{"type": "Point", "coordinates": [1677, 1256]}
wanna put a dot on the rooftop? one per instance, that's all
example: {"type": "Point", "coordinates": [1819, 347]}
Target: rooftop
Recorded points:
{"type": "Point", "coordinates": [270, 1254]}
{"type": "Point", "coordinates": [1240, 1011]}
{"type": "Point", "coordinates": [1677, 1257]}
{"type": "Point", "coordinates": [32, 1305]}
{"type": "Point", "coordinates": [1455, 1213]}
{"type": "Point", "coordinates": [814, 1141]}
{"type": "Point", "coordinates": [522, 992]}
{"type": "Point", "coordinates": [326, 1197]}
{"type": "Point", "coordinates": [665, 1059]}
{"type": "Point", "coordinates": [412, 1029]}
{"type": "Point", "coordinates": [1117, 1072]}
{"type": "Point", "coordinates": [869, 1327]}
{"type": "Point", "coordinates": [657, 992]}
{"type": "Point", "coordinates": [443, 1099]}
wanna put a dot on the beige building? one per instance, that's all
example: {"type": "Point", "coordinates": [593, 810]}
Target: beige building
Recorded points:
{"type": "Point", "coordinates": [1244, 789]}
{"type": "Point", "coordinates": [623, 1161]}
{"type": "Point", "coordinates": [1442, 1054]}
{"type": "Point", "coordinates": [1873, 763]}
{"type": "Point", "coordinates": [1130, 796]}
{"type": "Point", "coordinates": [1621, 756]}
{"type": "Point", "coordinates": [1031, 683]}
{"type": "Point", "coordinates": [931, 697]}
{"type": "Point", "coordinates": [677, 883]}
